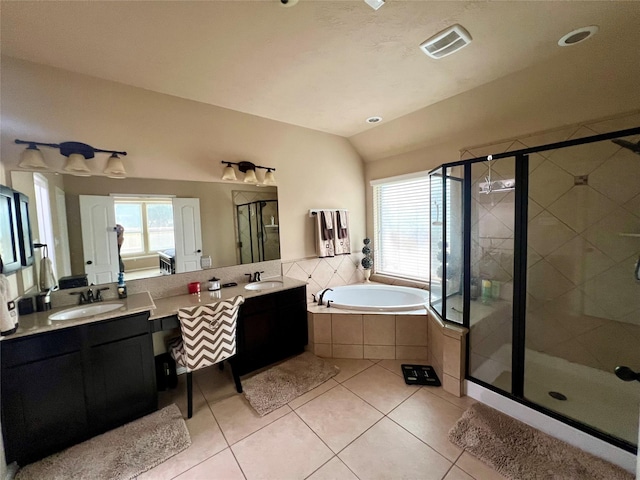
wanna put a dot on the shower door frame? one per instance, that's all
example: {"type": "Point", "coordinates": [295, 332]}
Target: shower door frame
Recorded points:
{"type": "Point", "coordinates": [521, 158]}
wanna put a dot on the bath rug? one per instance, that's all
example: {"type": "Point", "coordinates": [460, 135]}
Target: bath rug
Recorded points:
{"type": "Point", "coordinates": [120, 454]}
{"type": "Point", "coordinates": [519, 451]}
{"type": "Point", "coordinates": [278, 385]}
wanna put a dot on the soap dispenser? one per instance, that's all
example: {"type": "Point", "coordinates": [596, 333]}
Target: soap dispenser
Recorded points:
{"type": "Point", "coordinates": [122, 287]}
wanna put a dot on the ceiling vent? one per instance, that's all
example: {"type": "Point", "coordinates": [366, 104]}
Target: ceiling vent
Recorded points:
{"type": "Point", "coordinates": [446, 42]}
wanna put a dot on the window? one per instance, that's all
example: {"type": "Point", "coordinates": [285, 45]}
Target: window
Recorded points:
{"type": "Point", "coordinates": [147, 223]}
{"type": "Point", "coordinates": [401, 223]}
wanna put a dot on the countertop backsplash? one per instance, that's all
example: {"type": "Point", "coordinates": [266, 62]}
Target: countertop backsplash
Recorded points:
{"type": "Point", "coordinates": [170, 285]}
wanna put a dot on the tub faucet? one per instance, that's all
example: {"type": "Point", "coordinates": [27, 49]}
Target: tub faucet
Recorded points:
{"type": "Point", "coordinates": [320, 302]}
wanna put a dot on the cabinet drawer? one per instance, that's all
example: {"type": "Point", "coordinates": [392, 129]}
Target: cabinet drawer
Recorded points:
{"type": "Point", "coordinates": [38, 347]}
{"type": "Point", "coordinates": [118, 329]}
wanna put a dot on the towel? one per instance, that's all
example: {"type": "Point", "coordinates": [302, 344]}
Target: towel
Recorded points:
{"type": "Point", "coordinates": [342, 245]}
{"type": "Point", "coordinates": [7, 318]}
{"type": "Point", "coordinates": [327, 224]}
{"type": "Point", "coordinates": [324, 234]}
{"type": "Point", "coordinates": [47, 277]}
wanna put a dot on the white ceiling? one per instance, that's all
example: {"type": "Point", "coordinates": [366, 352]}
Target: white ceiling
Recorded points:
{"type": "Point", "coordinates": [325, 65]}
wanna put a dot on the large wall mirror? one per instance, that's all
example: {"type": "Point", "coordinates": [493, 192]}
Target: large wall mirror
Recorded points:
{"type": "Point", "coordinates": [99, 226]}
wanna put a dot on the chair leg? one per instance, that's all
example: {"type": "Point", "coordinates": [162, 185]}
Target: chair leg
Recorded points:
{"type": "Point", "coordinates": [189, 395]}
{"type": "Point", "coordinates": [236, 378]}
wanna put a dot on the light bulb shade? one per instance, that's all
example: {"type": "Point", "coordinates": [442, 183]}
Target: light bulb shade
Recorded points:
{"type": "Point", "coordinates": [115, 167]}
{"type": "Point", "coordinates": [269, 178]}
{"type": "Point", "coordinates": [229, 173]}
{"type": "Point", "coordinates": [77, 165]}
{"type": "Point", "coordinates": [250, 176]}
{"type": "Point", "coordinates": [32, 158]}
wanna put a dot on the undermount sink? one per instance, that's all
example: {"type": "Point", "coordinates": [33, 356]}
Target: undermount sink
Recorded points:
{"type": "Point", "coordinates": [264, 285]}
{"type": "Point", "coordinates": [82, 311]}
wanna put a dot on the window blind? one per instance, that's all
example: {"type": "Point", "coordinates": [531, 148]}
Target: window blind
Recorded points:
{"type": "Point", "coordinates": [401, 221]}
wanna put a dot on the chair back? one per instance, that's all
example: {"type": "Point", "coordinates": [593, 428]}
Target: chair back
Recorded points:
{"type": "Point", "coordinates": [209, 332]}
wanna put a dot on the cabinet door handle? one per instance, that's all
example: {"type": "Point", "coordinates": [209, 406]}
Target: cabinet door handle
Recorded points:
{"type": "Point", "coordinates": [89, 262]}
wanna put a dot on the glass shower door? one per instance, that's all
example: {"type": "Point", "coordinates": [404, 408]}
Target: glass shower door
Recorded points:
{"type": "Point", "coordinates": [583, 299]}
{"type": "Point", "coordinates": [492, 272]}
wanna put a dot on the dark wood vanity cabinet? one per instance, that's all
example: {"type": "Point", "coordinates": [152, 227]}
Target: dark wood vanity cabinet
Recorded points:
{"type": "Point", "coordinates": [271, 327]}
{"type": "Point", "coordinates": [60, 388]}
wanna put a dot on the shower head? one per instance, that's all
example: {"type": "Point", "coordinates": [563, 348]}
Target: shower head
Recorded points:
{"type": "Point", "coordinates": [634, 147]}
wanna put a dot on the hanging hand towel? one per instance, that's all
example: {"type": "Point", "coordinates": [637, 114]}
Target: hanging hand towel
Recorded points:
{"type": "Point", "coordinates": [47, 276]}
{"type": "Point", "coordinates": [7, 321]}
{"type": "Point", "coordinates": [342, 243]}
{"type": "Point", "coordinates": [324, 234]}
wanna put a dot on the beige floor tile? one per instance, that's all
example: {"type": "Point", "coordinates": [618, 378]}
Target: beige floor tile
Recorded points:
{"type": "Point", "coordinates": [334, 469]}
{"type": "Point", "coordinates": [206, 437]}
{"type": "Point", "coordinates": [216, 385]}
{"type": "Point", "coordinates": [238, 419]}
{"type": "Point", "coordinates": [430, 418]}
{"type": "Point", "coordinates": [222, 466]}
{"type": "Point", "coordinates": [338, 417]}
{"type": "Point", "coordinates": [380, 388]}
{"type": "Point", "coordinates": [476, 468]}
{"type": "Point", "coordinates": [457, 474]}
{"type": "Point", "coordinates": [462, 402]}
{"type": "Point", "coordinates": [387, 451]}
{"type": "Point", "coordinates": [285, 449]}
{"type": "Point", "coordinates": [311, 394]}
{"type": "Point", "coordinates": [349, 367]}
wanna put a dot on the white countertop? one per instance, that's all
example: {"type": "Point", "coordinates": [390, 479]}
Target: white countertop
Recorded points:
{"type": "Point", "coordinates": [39, 322]}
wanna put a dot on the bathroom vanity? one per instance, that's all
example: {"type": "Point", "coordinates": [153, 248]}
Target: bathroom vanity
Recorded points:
{"type": "Point", "coordinates": [66, 381]}
{"type": "Point", "coordinates": [65, 386]}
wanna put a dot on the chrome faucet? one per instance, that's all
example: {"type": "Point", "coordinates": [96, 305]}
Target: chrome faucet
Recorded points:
{"type": "Point", "coordinates": [320, 302]}
{"type": "Point", "coordinates": [254, 277]}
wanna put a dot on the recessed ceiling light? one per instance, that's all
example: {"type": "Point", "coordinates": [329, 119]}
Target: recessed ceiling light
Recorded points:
{"type": "Point", "coordinates": [578, 35]}
{"type": "Point", "coordinates": [374, 119]}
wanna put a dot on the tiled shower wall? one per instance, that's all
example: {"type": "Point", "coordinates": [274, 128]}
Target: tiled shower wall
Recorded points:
{"type": "Point", "coordinates": [582, 300]}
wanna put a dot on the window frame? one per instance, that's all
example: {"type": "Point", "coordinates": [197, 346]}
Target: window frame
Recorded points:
{"type": "Point", "coordinates": [144, 202]}
{"type": "Point", "coordinates": [379, 244]}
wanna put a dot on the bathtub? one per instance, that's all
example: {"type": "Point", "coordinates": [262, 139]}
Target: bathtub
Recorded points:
{"type": "Point", "coordinates": [377, 298]}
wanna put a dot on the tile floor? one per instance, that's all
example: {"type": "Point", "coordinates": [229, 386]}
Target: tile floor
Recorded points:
{"type": "Point", "coordinates": [364, 423]}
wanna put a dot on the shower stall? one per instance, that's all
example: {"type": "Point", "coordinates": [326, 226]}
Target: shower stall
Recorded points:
{"type": "Point", "coordinates": [536, 251]}
{"type": "Point", "coordinates": [258, 231]}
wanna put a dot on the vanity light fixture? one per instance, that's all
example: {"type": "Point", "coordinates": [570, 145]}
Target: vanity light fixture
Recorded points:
{"type": "Point", "coordinates": [249, 170]}
{"type": "Point", "coordinates": [77, 153]}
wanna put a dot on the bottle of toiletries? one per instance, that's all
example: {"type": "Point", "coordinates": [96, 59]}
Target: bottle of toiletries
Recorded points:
{"type": "Point", "coordinates": [486, 291]}
{"type": "Point", "coordinates": [475, 288]}
{"type": "Point", "coordinates": [122, 287]}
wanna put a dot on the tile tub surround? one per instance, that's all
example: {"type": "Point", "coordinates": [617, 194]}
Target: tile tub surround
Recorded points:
{"type": "Point", "coordinates": [380, 335]}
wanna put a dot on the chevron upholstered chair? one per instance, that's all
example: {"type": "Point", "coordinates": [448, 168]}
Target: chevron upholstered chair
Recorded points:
{"type": "Point", "coordinates": [208, 337]}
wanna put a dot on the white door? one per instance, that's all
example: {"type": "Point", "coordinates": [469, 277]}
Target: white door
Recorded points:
{"type": "Point", "coordinates": [99, 239]}
{"type": "Point", "coordinates": [188, 235]}
{"type": "Point", "coordinates": [63, 241]}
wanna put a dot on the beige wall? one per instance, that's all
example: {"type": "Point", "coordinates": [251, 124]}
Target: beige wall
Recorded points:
{"type": "Point", "coordinates": [168, 137]}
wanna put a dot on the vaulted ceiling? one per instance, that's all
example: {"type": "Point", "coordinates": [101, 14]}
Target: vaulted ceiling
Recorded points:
{"type": "Point", "coordinates": [325, 65]}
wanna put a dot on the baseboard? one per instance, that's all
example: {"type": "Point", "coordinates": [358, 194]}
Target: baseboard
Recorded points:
{"type": "Point", "coordinates": [553, 427]}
